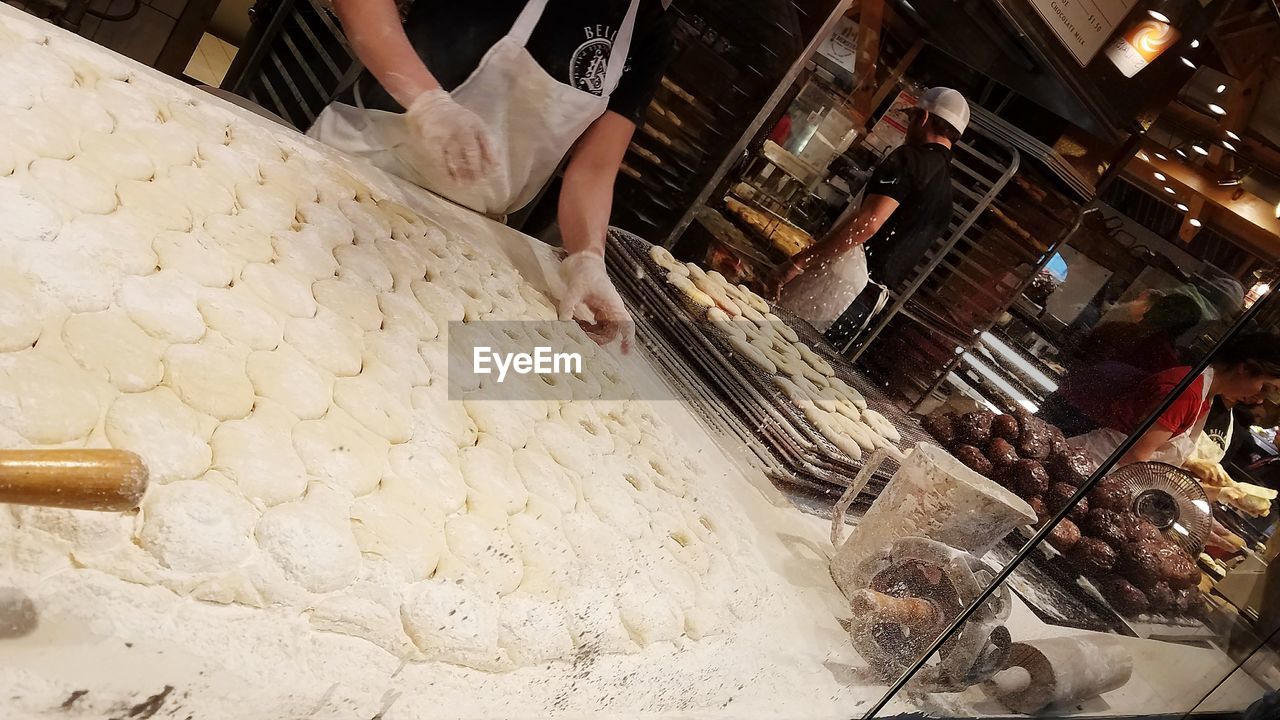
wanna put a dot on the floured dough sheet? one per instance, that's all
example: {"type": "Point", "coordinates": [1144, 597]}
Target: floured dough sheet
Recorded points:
{"type": "Point", "coordinates": [268, 332]}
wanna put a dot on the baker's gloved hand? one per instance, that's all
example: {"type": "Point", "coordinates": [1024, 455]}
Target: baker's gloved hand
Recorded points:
{"type": "Point", "coordinates": [591, 298]}
{"type": "Point", "coordinates": [1209, 472]}
{"type": "Point", "coordinates": [461, 138]}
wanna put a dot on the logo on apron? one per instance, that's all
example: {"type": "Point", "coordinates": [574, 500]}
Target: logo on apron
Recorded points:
{"type": "Point", "coordinates": [590, 61]}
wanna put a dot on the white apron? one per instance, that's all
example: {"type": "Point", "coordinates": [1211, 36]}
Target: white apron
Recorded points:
{"type": "Point", "coordinates": [533, 119]}
{"type": "Point", "coordinates": [1100, 443]}
{"type": "Point", "coordinates": [822, 294]}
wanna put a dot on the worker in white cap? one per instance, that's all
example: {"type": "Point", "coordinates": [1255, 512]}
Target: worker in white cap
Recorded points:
{"type": "Point", "coordinates": [837, 285]}
{"type": "Point", "coordinates": [481, 102]}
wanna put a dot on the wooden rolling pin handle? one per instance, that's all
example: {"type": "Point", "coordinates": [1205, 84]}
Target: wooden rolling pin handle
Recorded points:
{"type": "Point", "coordinates": [915, 613]}
{"type": "Point", "coordinates": [107, 480]}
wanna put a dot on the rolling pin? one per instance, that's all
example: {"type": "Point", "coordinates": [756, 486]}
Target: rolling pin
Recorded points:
{"type": "Point", "coordinates": [916, 613]}
{"type": "Point", "coordinates": [106, 480]}
{"type": "Point", "coordinates": [1063, 670]}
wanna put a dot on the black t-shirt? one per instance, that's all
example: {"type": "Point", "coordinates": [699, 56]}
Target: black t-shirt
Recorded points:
{"type": "Point", "coordinates": [571, 42]}
{"type": "Point", "coordinates": [919, 178]}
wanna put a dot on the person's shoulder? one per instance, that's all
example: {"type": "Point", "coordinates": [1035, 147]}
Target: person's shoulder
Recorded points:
{"type": "Point", "coordinates": [655, 20]}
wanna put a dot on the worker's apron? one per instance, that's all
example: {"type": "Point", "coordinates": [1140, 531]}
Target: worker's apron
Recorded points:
{"type": "Point", "coordinates": [1100, 443]}
{"type": "Point", "coordinates": [532, 118]}
{"type": "Point", "coordinates": [821, 295]}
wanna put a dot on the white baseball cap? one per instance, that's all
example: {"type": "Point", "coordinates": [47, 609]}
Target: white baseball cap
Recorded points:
{"type": "Point", "coordinates": [947, 104]}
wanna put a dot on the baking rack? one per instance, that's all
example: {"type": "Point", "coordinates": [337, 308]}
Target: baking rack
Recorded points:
{"type": "Point", "coordinates": [735, 395]}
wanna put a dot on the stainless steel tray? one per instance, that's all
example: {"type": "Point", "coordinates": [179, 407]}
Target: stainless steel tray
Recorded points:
{"type": "Point", "coordinates": [762, 414]}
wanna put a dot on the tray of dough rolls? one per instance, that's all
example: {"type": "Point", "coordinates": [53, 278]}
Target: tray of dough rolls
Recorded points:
{"type": "Point", "coordinates": [813, 410]}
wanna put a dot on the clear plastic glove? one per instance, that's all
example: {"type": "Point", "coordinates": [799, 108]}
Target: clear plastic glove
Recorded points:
{"type": "Point", "coordinates": [457, 134]}
{"type": "Point", "coordinates": [592, 299]}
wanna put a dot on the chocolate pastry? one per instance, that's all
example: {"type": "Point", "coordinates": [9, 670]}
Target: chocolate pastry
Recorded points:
{"type": "Point", "coordinates": [1064, 536]}
{"type": "Point", "coordinates": [1001, 453]}
{"type": "Point", "coordinates": [1072, 466]}
{"type": "Point", "coordinates": [1057, 441]}
{"type": "Point", "coordinates": [1035, 439]}
{"type": "Point", "coordinates": [1124, 597]}
{"type": "Point", "coordinates": [1079, 510]}
{"type": "Point", "coordinates": [1058, 495]}
{"type": "Point", "coordinates": [1143, 531]}
{"type": "Point", "coordinates": [1161, 597]}
{"type": "Point", "coordinates": [975, 428]}
{"type": "Point", "coordinates": [1177, 569]}
{"type": "Point", "coordinates": [1110, 495]}
{"type": "Point", "coordinates": [1092, 557]}
{"type": "Point", "coordinates": [1028, 478]}
{"type": "Point", "coordinates": [973, 457]}
{"type": "Point", "coordinates": [1105, 525]}
{"type": "Point", "coordinates": [1140, 564]}
{"type": "Point", "coordinates": [942, 426]}
{"type": "Point", "coordinates": [1038, 506]}
{"type": "Point", "coordinates": [1005, 427]}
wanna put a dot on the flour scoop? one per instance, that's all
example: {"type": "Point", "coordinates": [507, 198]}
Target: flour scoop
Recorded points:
{"type": "Point", "coordinates": [904, 596]}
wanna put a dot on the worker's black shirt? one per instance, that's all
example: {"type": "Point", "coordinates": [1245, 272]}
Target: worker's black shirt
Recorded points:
{"type": "Point", "coordinates": [919, 178]}
{"type": "Point", "coordinates": [571, 42]}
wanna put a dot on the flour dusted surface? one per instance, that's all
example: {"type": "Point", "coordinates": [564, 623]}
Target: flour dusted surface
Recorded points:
{"type": "Point", "coordinates": [269, 334]}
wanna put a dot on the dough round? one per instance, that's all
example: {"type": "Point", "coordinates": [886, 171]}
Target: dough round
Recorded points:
{"type": "Point", "coordinates": [164, 304]}
{"type": "Point", "coordinates": [682, 283]}
{"type": "Point", "coordinates": [76, 185]}
{"type": "Point", "coordinates": [410, 536]}
{"type": "Point", "coordinates": [532, 631]}
{"type": "Point", "coordinates": [365, 263]}
{"type": "Point", "coordinates": [366, 221]}
{"type": "Point", "coordinates": [424, 471]}
{"type": "Point", "coordinates": [482, 555]}
{"type": "Point", "coordinates": [494, 486]}
{"type": "Point", "coordinates": [280, 289]}
{"type": "Point", "coordinates": [782, 328]}
{"type": "Point", "coordinates": [305, 254]}
{"type": "Point", "coordinates": [210, 377]}
{"type": "Point", "coordinates": [371, 404]}
{"type": "Point", "coordinates": [240, 236]}
{"type": "Point", "coordinates": [453, 623]}
{"type": "Point", "coordinates": [170, 437]}
{"type": "Point", "coordinates": [197, 527]}
{"type": "Point", "coordinates": [351, 300]}
{"type": "Point", "coordinates": [402, 311]}
{"type": "Point", "coordinates": [545, 478]}
{"type": "Point", "coordinates": [312, 548]}
{"type": "Point", "coordinates": [46, 398]}
{"type": "Point", "coordinates": [202, 193]}
{"type": "Point", "coordinates": [158, 204]}
{"type": "Point", "coordinates": [333, 343]}
{"type": "Point", "coordinates": [649, 615]}
{"type": "Point", "coordinates": [442, 305]}
{"type": "Point", "coordinates": [284, 376]}
{"type": "Point", "coordinates": [198, 256]}
{"type": "Point", "coordinates": [240, 316]}
{"type": "Point", "coordinates": [753, 354]}
{"type": "Point", "coordinates": [337, 450]}
{"type": "Point", "coordinates": [22, 311]}
{"type": "Point", "coordinates": [257, 454]}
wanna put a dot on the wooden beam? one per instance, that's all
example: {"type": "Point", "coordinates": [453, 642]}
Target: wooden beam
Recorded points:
{"type": "Point", "coordinates": [870, 23]}
{"type": "Point", "coordinates": [891, 83]}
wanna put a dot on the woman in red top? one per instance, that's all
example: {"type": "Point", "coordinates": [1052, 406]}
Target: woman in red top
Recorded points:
{"type": "Point", "coordinates": [1241, 372]}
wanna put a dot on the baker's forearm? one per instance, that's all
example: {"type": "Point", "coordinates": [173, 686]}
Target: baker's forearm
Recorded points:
{"type": "Point", "coordinates": [847, 236]}
{"type": "Point", "coordinates": [376, 34]}
{"type": "Point", "coordinates": [586, 200]}
{"type": "Point", "coordinates": [586, 192]}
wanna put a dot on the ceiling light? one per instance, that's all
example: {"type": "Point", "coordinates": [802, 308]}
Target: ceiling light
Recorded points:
{"type": "Point", "coordinates": [1232, 135]}
{"type": "Point", "coordinates": [1180, 152]}
{"type": "Point", "coordinates": [1228, 146]}
{"type": "Point", "coordinates": [1161, 177]}
{"type": "Point", "coordinates": [1195, 222]}
{"type": "Point", "coordinates": [1221, 89]}
{"type": "Point", "coordinates": [1142, 156]}
{"type": "Point", "coordinates": [1200, 149]}
{"type": "Point", "coordinates": [1170, 190]}
{"type": "Point", "coordinates": [1195, 43]}
{"type": "Point", "coordinates": [1161, 17]}
{"type": "Point", "coordinates": [1187, 62]}
{"type": "Point", "coordinates": [1162, 157]}
{"type": "Point", "coordinates": [1183, 207]}
{"type": "Point", "coordinates": [1217, 109]}
{"type": "Point", "coordinates": [1278, 211]}
{"type": "Point", "coordinates": [1231, 179]}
